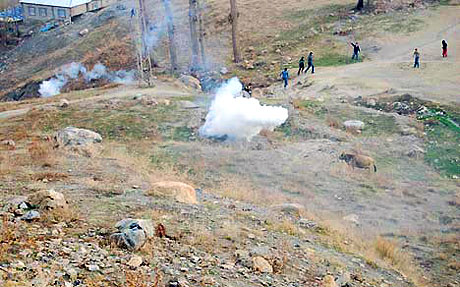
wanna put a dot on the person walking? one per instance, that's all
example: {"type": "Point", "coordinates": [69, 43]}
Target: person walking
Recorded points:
{"type": "Point", "coordinates": [301, 65]}
{"type": "Point", "coordinates": [444, 49]}
{"type": "Point", "coordinates": [356, 51]}
{"type": "Point", "coordinates": [416, 58]}
{"type": "Point", "coordinates": [285, 76]}
{"type": "Point", "coordinates": [310, 63]}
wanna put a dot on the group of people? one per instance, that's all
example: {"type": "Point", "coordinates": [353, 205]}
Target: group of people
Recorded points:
{"type": "Point", "coordinates": [417, 54]}
{"type": "Point", "coordinates": [285, 73]}
{"type": "Point", "coordinates": [356, 51]}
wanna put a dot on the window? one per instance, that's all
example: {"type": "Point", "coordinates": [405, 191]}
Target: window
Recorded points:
{"type": "Point", "coordinates": [32, 11]}
{"type": "Point", "coordinates": [61, 13]}
{"type": "Point", "coordinates": [42, 12]}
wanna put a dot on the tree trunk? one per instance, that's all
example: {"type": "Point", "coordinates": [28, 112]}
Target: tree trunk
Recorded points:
{"type": "Point", "coordinates": [172, 43]}
{"type": "Point", "coordinates": [234, 21]}
{"type": "Point", "coordinates": [360, 5]}
{"type": "Point", "coordinates": [202, 35]}
{"type": "Point", "coordinates": [193, 18]}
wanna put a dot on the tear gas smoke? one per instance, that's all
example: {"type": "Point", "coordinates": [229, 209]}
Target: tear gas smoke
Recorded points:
{"type": "Point", "coordinates": [53, 86]}
{"type": "Point", "coordinates": [236, 117]}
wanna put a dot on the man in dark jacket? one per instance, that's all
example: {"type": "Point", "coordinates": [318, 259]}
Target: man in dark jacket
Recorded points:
{"type": "Point", "coordinates": [310, 63]}
{"type": "Point", "coordinates": [301, 65]}
{"type": "Point", "coordinates": [356, 51]}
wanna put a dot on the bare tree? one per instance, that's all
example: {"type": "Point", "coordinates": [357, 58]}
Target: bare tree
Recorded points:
{"type": "Point", "coordinates": [172, 42]}
{"type": "Point", "coordinates": [234, 21]}
{"type": "Point", "coordinates": [193, 19]}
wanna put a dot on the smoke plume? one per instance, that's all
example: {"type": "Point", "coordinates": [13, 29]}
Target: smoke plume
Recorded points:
{"type": "Point", "coordinates": [235, 117]}
{"type": "Point", "coordinates": [72, 71]}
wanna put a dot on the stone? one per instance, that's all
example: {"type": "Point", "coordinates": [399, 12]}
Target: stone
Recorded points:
{"type": "Point", "coordinates": [64, 103]}
{"type": "Point", "coordinates": [83, 32]}
{"type": "Point", "coordinates": [93, 267]}
{"type": "Point", "coordinates": [15, 203]}
{"type": "Point", "coordinates": [31, 215]}
{"type": "Point", "coordinates": [132, 233]}
{"type": "Point", "coordinates": [328, 281]}
{"type": "Point", "coordinates": [48, 200]}
{"type": "Point", "coordinates": [294, 209]}
{"type": "Point", "coordinates": [353, 218]}
{"type": "Point", "coordinates": [223, 71]}
{"type": "Point", "coordinates": [135, 261]}
{"type": "Point", "coordinates": [9, 143]}
{"type": "Point", "coordinates": [190, 81]}
{"type": "Point", "coordinates": [182, 192]}
{"type": "Point", "coordinates": [260, 264]}
{"type": "Point", "coordinates": [79, 140]}
{"type": "Point", "coordinates": [353, 125]}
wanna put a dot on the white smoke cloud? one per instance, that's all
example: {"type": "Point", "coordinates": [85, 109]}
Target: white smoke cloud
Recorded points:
{"type": "Point", "coordinates": [53, 86]}
{"type": "Point", "coordinates": [235, 117]}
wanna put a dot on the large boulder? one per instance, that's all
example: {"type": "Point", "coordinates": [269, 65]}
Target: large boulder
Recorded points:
{"type": "Point", "coordinates": [132, 233]}
{"type": "Point", "coordinates": [48, 200]}
{"type": "Point", "coordinates": [79, 140]}
{"type": "Point", "coordinates": [178, 190]}
{"type": "Point", "coordinates": [190, 81]}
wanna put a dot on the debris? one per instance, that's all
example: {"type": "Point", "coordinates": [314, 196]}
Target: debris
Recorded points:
{"type": "Point", "coordinates": [160, 231]}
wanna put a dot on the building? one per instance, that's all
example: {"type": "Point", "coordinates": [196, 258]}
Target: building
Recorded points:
{"type": "Point", "coordinates": [45, 10]}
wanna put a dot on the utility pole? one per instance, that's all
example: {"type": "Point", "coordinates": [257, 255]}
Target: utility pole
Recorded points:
{"type": "Point", "coordinates": [234, 21]}
{"type": "Point", "coordinates": [144, 60]}
{"type": "Point", "coordinates": [202, 35]}
{"type": "Point", "coordinates": [193, 19]}
{"type": "Point", "coordinates": [172, 43]}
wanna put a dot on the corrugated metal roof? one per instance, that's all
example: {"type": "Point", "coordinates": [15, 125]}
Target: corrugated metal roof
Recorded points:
{"type": "Point", "coordinates": [58, 3]}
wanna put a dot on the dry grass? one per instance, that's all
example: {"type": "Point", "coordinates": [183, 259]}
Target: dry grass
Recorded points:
{"type": "Point", "coordinates": [41, 153]}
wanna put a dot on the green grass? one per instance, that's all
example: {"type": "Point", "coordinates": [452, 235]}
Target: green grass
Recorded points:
{"type": "Point", "coordinates": [335, 59]}
{"type": "Point", "coordinates": [443, 149]}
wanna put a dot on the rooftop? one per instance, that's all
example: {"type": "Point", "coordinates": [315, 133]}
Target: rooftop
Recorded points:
{"type": "Point", "coordinates": [58, 3]}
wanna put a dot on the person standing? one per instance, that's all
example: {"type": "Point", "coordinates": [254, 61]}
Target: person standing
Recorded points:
{"type": "Point", "coordinates": [444, 49]}
{"type": "Point", "coordinates": [301, 65]}
{"type": "Point", "coordinates": [285, 76]}
{"type": "Point", "coordinates": [416, 58]}
{"type": "Point", "coordinates": [310, 63]}
{"type": "Point", "coordinates": [356, 51]}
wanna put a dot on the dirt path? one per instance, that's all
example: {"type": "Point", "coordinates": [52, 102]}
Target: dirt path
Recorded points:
{"type": "Point", "coordinates": [160, 90]}
{"type": "Point", "coordinates": [391, 67]}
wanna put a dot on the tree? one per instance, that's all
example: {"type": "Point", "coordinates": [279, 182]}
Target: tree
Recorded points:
{"type": "Point", "coordinates": [172, 43]}
{"type": "Point", "coordinates": [193, 19]}
{"type": "Point", "coordinates": [202, 35]}
{"type": "Point", "coordinates": [360, 5]}
{"type": "Point", "coordinates": [234, 21]}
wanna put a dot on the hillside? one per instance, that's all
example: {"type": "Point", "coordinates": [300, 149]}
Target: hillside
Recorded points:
{"type": "Point", "coordinates": [283, 208]}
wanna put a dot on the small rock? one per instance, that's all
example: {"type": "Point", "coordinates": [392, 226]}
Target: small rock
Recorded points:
{"type": "Point", "coordinates": [135, 261]}
{"type": "Point", "coordinates": [260, 264]}
{"type": "Point", "coordinates": [353, 218]}
{"type": "Point", "coordinates": [190, 81]}
{"type": "Point", "coordinates": [31, 215]}
{"type": "Point", "coordinates": [223, 71]}
{"type": "Point", "coordinates": [132, 233]}
{"type": "Point", "coordinates": [328, 281]}
{"type": "Point", "coordinates": [10, 143]}
{"type": "Point", "coordinates": [83, 32]}
{"type": "Point", "coordinates": [48, 200]}
{"type": "Point", "coordinates": [353, 125]}
{"type": "Point", "coordinates": [93, 267]}
{"type": "Point", "coordinates": [64, 103]}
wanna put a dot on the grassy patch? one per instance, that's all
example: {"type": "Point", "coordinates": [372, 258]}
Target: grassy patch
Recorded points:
{"type": "Point", "coordinates": [335, 59]}
{"type": "Point", "coordinates": [443, 149]}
